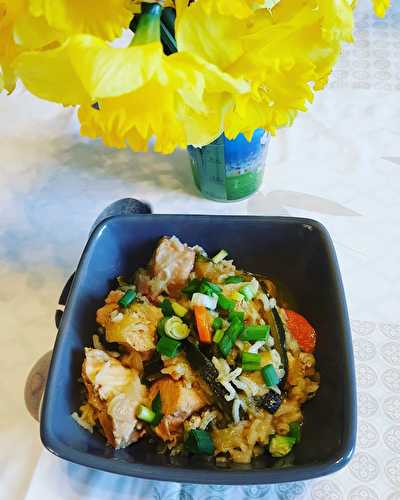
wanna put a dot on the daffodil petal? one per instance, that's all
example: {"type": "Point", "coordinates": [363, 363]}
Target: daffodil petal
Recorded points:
{"type": "Point", "coordinates": [218, 42]}
{"type": "Point", "coordinates": [33, 32]}
{"type": "Point", "coordinates": [107, 71]}
{"type": "Point", "coordinates": [50, 75]}
{"type": "Point", "coordinates": [102, 18]}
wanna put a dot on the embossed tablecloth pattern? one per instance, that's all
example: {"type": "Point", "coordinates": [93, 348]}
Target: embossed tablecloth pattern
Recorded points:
{"type": "Point", "coordinates": [339, 164]}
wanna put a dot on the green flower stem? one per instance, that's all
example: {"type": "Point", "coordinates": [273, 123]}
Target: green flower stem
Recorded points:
{"type": "Point", "coordinates": [148, 28]}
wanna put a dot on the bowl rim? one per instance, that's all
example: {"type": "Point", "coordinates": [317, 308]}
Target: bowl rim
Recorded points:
{"type": "Point", "coordinates": [195, 475]}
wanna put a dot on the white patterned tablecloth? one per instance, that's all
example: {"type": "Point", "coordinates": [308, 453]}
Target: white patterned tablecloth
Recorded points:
{"type": "Point", "coordinates": [339, 164]}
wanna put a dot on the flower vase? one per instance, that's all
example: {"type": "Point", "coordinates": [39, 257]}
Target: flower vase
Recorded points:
{"type": "Point", "coordinates": [230, 170]}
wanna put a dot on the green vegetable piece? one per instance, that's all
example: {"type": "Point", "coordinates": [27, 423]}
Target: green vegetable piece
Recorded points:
{"type": "Point", "coordinates": [233, 279]}
{"type": "Point", "coordinates": [236, 314]}
{"type": "Point", "coordinates": [270, 376]}
{"type": "Point", "coordinates": [255, 332]}
{"type": "Point", "coordinates": [218, 336]}
{"type": "Point", "coordinates": [176, 329]}
{"type": "Point", "coordinates": [168, 347]}
{"type": "Point", "coordinates": [156, 406]}
{"type": "Point", "coordinates": [250, 361]}
{"type": "Point", "coordinates": [230, 337]}
{"type": "Point", "coordinates": [217, 323]}
{"type": "Point", "coordinates": [295, 431]}
{"type": "Point", "coordinates": [128, 298]}
{"type": "Point", "coordinates": [166, 308]}
{"type": "Point", "coordinates": [145, 414]}
{"type": "Point", "coordinates": [279, 446]}
{"type": "Point", "coordinates": [225, 303]}
{"type": "Point", "coordinates": [220, 256]}
{"type": "Point", "coordinates": [161, 326]}
{"type": "Point", "coordinates": [247, 292]}
{"type": "Point", "coordinates": [191, 287]}
{"type": "Point", "coordinates": [209, 288]}
{"type": "Point", "coordinates": [199, 442]}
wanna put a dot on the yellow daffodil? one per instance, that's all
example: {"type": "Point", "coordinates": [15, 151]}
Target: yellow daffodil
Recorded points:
{"type": "Point", "coordinates": [138, 92]}
{"type": "Point", "coordinates": [281, 50]}
{"type": "Point", "coordinates": [380, 7]}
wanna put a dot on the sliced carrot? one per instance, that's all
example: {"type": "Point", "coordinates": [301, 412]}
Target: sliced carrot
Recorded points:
{"type": "Point", "coordinates": [203, 323]}
{"type": "Point", "coordinates": [301, 330]}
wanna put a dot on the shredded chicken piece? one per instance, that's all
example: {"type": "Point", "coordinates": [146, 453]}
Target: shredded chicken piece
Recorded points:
{"type": "Point", "coordinates": [114, 392]}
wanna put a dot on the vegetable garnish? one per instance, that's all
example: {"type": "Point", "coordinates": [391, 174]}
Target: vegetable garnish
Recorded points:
{"type": "Point", "coordinates": [145, 414]}
{"type": "Point", "coordinates": [161, 326]}
{"type": "Point", "coordinates": [255, 332]}
{"type": "Point", "coordinates": [280, 446]}
{"type": "Point", "coordinates": [128, 298]}
{"type": "Point", "coordinates": [218, 336]}
{"type": "Point", "coordinates": [237, 296]}
{"type": "Point", "coordinates": [200, 299]}
{"type": "Point", "coordinates": [178, 309]}
{"type": "Point", "coordinates": [203, 324]}
{"type": "Point", "coordinates": [225, 303]}
{"type": "Point", "coordinates": [166, 308]}
{"type": "Point", "coordinates": [250, 362]}
{"type": "Point", "coordinates": [191, 287]}
{"type": "Point", "coordinates": [199, 442]}
{"type": "Point", "coordinates": [217, 323]}
{"type": "Point", "coordinates": [168, 346]}
{"type": "Point", "coordinates": [301, 330]}
{"type": "Point", "coordinates": [270, 376]}
{"type": "Point", "coordinates": [236, 314]}
{"type": "Point", "coordinates": [295, 431]}
{"type": "Point", "coordinates": [209, 288]}
{"type": "Point", "coordinates": [156, 406]}
{"type": "Point", "coordinates": [175, 328]}
{"type": "Point", "coordinates": [230, 336]}
{"type": "Point", "coordinates": [247, 291]}
{"type": "Point", "coordinates": [233, 279]}
{"type": "Point", "coordinates": [220, 256]}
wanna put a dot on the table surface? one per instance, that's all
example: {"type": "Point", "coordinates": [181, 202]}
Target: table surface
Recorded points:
{"type": "Point", "coordinates": [339, 164]}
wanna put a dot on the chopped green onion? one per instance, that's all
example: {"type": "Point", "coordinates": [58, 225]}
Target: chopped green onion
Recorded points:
{"type": "Point", "coordinates": [175, 328]}
{"type": "Point", "coordinates": [161, 326]}
{"type": "Point", "coordinates": [230, 336]}
{"type": "Point", "coordinates": [250, 361]}
{"type": "Point", "coordinates": [247, 291]}
{"type": "Point", "coordinates": [145, 414]}
{"type": "Point", "coordinates": [199, 442]}
{"type": "Point", "coordinates": [156, 406]}
{"type": "Point", "coordinates": [217, 323]}
{"type": "Point", "coordinates": [168, 346]}
{"type": "Point", "coordinates": [220, 256]}
{"type": "Point", "coordinates": [178, 309]}
{"type": "Point", "coordinates": [209, 288]}
{"type": "Point", "coordinates": [233, 279]}
{"type": "Point", "coordinates": [166, 308]}
{"type": "Point", "coordinates": [295, 431]}
{"type": "Point", "coordinates": [127, 299]}
{"type": "Point", "coordinates": [225, 303]}
{"type": "Point", "coordinates": [237, 296]}
{"type": "Point", "coordinates": [218, 336]}
{"type": "Point", "coordinates": [236, 314]}
{"type": "Point", "coordinates": [279, 446]}
{"type": "Point", "coordinates": [191, 287]}
{"type": "Point", "coordinates": [255, 332]}
{"type": "Point", "coordinates": [270, 376]}
{"type": "Point", "coordinates": [201, 299]}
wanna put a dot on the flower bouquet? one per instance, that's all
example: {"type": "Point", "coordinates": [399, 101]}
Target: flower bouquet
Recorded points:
{"type": "Point", "coordinates": [193, 73]}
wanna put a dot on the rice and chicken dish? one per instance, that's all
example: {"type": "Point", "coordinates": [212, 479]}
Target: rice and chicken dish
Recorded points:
{"type": "Point", "coordinates": [198, 355]}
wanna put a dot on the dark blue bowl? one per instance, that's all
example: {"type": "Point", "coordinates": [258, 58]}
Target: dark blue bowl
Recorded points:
{"type": "Point", "coordinates": [295, 252]}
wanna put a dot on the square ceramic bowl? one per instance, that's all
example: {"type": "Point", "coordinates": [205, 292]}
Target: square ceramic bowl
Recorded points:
{"type": "Point", "coordinates": [295, 252]}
